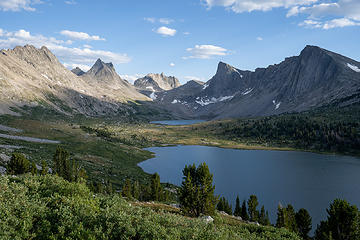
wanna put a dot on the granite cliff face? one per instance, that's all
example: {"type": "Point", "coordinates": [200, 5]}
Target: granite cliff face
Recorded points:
{"type": "Point", "coordinates": [77, 71]}
{"type": "Point", "coordinates": [33, 77]}
{"type": "Point", "coordinates": [315, 78]}
{"type": "Point", "coordinates": [156, 82]}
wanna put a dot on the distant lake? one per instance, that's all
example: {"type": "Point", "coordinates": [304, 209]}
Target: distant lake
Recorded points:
{"type": "Point", "coordinates": [178, 122]}
{"type": "Point", "coordinates": [305, 180]}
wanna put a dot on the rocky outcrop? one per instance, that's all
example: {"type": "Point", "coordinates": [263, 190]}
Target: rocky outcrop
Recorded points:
{"type": "Point", "coordinates": [156, 82]}
{"type": "Point", "coordinates": [77, 71]}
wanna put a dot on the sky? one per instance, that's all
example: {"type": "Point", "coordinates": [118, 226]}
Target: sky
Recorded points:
{"type": "Point", "coordinates": [182, 38]}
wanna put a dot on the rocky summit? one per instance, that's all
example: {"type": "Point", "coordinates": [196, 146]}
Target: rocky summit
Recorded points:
{"type": "Point", "coordinates": [315, 78]}
{"type": "Point", "coordinates": [156, 82]}
{"type": "Point", "coordinates": [34, 77]}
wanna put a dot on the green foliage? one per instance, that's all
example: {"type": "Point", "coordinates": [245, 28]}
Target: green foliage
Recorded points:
{"type": "Point", "coordinates": [66, 168]}
{"type": "Point", "coordinates": [136, 190]}
{"type": "Point", "coordinates": [48, 207]}
{"type": "Point", "coordinates": [126, 190]}
{"type": "Point", "coordinates": [342, 222]}
{"type": "Point", "coordinates": [197, 191]}
{"type": "Point", "coordinates": [156, 189]}
{"type": "Point", "coordinates": [44, 168]}
{"type": "Point", "coordinates": [223, 205]}
{"type": "Point", "coordinates": [264, 217]}
{"type": "Point", "coordinates": [252, 205]}
{"type": "Point", "coordinates": [244, 214]}
{"type": "Point", "coordinates": [33, 168]}
{"type": "Point", "coordinates": [237, 210]}
{"type": "Point", "coordinates": [18, 164]}
{"type": "Point", "coordinates": [303, 222]}
{"type": "Point", "coordinates": [286, 218]}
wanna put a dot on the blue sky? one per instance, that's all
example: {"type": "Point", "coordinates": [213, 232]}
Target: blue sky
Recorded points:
{"type": "Point", "coordinates": [184, 38]}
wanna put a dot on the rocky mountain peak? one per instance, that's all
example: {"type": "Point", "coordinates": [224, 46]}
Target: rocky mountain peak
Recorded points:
{"type": "Point", "coordinates": [224, 68]}
{"type": "Point", "coordinates": [77, 71]}
{"type": "Point", "coordinates": [157, 82]}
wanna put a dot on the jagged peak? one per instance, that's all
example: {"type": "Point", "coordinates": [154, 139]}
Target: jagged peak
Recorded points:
{"type": "Point", "coordinates": [224, 68]}
{"type": "Point", "coordinates": [99, 64]}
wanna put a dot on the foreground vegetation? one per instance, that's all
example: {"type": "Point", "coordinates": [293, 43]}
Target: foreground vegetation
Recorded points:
{"type": "Point", "coordinates": [49, 207]}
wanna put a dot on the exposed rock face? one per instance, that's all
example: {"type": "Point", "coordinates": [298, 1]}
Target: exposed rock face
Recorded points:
{"type": "Point", "coordinates": [31, 76]}
{"type": "Point", "coordinates": [156, 82]}
{"type": "Point", "coordinates": [77, 71]}
{"type": "Point", "coordinates": [313, 79]}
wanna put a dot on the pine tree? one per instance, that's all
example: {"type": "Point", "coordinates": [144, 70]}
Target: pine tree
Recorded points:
{"type": "Point", "coordinates": [136, 190]}
{"type": "Point", "coordinates": [262, 217]}
{"type": "Point", "coordinates": [33, 168]}
{"type": "Point", "coordinates": [156, 189]}
{"type": "Point", "coordinates": [303, 222]}
{"type": "Point", "coordinates": [18, 164]}
{"type": "Point", "coordinates": [252, 205]}
{"type": "Point", "coordinates": [223, 205]}
{"type": "Point", "coordinates": [280, 221]}
{"type": "Point", "coordinates": [197, 191]}
{"type": "Point", "coordinates": [237, 211]}
{"type": "Point", "coordinates": [342, 222]}
{"type": "Point", "coordinates": [244, 214]}
{"type": "Point", "coordinates": [126, 190]}
{"type": "Point", "coordinates": [267, 219]}
{"type": "Point", "coordinates": [290, 221]}
{"type": "Point", "coordinates": [44, 168]}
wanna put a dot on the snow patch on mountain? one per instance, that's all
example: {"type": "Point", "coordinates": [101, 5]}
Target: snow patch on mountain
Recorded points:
{"type": "Point", "coordinates": [247, 91]}
{"type": "Point", "coordinates": [205, 86]}
{"type": "Point", "coordinates": [353, 67]}
{"type": "Point", "coordinates": [153, 96]}
{"type": "Point", "coordinates": [204, 102]}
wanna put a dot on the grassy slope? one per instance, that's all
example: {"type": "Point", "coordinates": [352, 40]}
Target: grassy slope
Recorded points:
{"type": "Point", "coordinates": [48, 207]}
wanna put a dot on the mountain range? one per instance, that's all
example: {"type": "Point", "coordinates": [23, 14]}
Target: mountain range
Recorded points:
{"type": "Point", "coordinates": [316, 78]}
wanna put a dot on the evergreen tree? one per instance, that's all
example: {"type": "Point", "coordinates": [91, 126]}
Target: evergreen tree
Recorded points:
{"type": "Point", "coordinates": [237, 211]}
{"type": "Point", "coordinates": [156, 189]}
{"type": "Point", "coordinates": [290, 221]}
{"type": "Point", "coordinates": [252, 205]}
{"type": "Point", "coordinates": [44, 168]}
{"type": "Point", "coordinates": [244, 214]}
{"type": "Point", "coordinates": [303, 222]}
{"type": "Point", "coordinates": [33, 168]}
{"type": "Point", "coordinates": [223, 205]}
{"type": "Point", "coordinates": [342, 222]}
{"type": "Point", "coordinates": [267, 219]}
{"type": "Point", "coordinates": [18, 164]}
{"type": "Point", "coordinates": [126, 190]}
{"type": "Point", "coordinates": [136, 190]}
{"type": "Point", "coordinates": [280, 221]}
{"type": "Point", "coordinates": [197, 191]}
{"type": "Point", "coordinates": [262, 217]}
{"type": "Point", "coordinates": [66, 168]}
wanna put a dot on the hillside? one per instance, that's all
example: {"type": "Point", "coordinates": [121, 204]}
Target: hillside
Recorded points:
{"type": "Point", "coordinates": [34, 77]}
{"type": "Point", "coordinates": [49, 206]}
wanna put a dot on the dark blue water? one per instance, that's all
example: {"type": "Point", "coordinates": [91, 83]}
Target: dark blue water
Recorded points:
{"type": "Point", "coordinates": [178, 122]}
{"type": "Point", "coordinates": [305, 180]}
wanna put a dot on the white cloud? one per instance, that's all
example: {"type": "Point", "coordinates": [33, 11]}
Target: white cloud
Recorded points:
{"type": "Point", "coordinates": [81, 36]}
{"type": "Point", "coordinates": [166, 21]}
{"type": "Point", "coordinates": [165, 31]}
{"type": "Point", "coordinates": [1, 32]}
{"type": "Point", "coordinates": [192, 78]}
{"type": "Point", "coordinates": [18, 5]}
{"type": "Point", "coordinates": [72, 2]}
{"type": "Point", "coordinates": [259, 38]}
{"type": "Point", "coordinates": [172, 64]}
{"type": "Point", "coordinates": [206, 51]}
{"type": "Point", "coordinates": [334, 23]}
{"type": "Point", "coordinates": [131, 78]}
{"type": "Point", "coordinates": [87, 46]}
{"type": "Point", "coordinates": [342, 13]}
{"type": "Point", "coordinates": [66, 54]}
{"type": "Point", "coordinates": [240, 6]}
{"type": "Point", "coordinates": [83, 67]}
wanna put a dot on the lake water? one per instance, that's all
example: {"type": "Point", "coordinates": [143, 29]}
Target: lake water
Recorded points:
{"type": "Point", "coordinates": [305, 180]}
{"type": "Point", "coordinates": [177, 122]}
